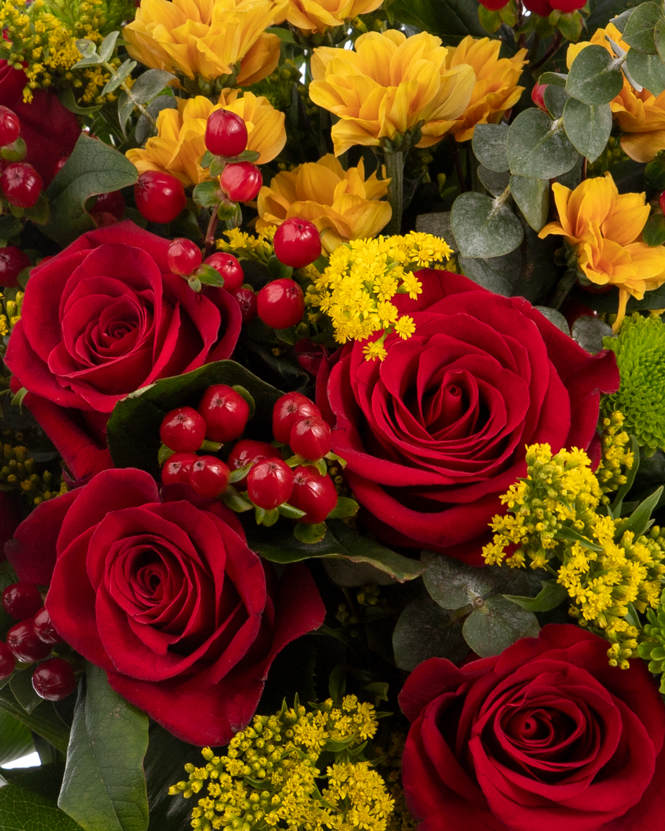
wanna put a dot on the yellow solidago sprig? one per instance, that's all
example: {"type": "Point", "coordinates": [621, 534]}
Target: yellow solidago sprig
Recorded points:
{"type": "Point", "coordinates": [554, 523]}
{"type": "Point", "coordinates": [270, 776]}
{"type": "Point", "coordinates": [362, 278]}
{"type": "Point", "coordinates": [617, 457]}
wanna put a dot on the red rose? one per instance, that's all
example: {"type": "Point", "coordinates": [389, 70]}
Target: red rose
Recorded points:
{"type": "Point", "coordinates": [167, 598]}
{"type": "Point", "coordinates": [546, 736]}
{"type": "Point", "coordinates": [437, 431]}
{"type": "Point", "coordinates": [101, 319]}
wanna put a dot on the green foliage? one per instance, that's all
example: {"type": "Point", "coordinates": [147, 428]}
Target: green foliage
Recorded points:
{"type": "Point", "coordinates": [595, 77]}
{"type": "Point", "coordinates": [587, 126]}
{"type": "Point", "coordinates": [451, 20]}
{"type": "Point", "coordinates": [484, 227]}
{"type": "Point", "coordinates": [538, 147]}
{"type": "Point", "coordinates": [15, 739]}
{"type": "Point", "coordinates": [28, 803]}
{"type": "Point", "coordinates": [425, 630]}
{"type": "Point", "coordinates": [532, 197]}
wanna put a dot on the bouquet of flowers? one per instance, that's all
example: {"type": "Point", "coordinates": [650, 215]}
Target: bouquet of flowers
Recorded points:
{"type": "Point", "coordinates": [333, 415]}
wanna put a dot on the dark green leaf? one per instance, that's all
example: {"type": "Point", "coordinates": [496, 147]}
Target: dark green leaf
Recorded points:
{"type": "Point", "coordinates": [15, 739]}
{"type": "Point", "coordinates": [639, 30]}
{"type": "Point", "coordinates": [150, 84]}
{"type": "Point", "coordinates": [451, 20]}
{"type": "Point", "coordinates": [647, 70]}
{"type": "Point", "coordinates": [10, 226]}
{"type": "Point", "coordinates": [28, 803]}
{"type": "Point", "coordinates": [454, 584]}
{"type": "Point", "coordinates": [538, 147]}
{"type": "Point", "coordinates": [45, 721]}
{"type": "Point", "coordinates": [554, 317]}
{"type": "Point", "coordinates": [495, 182]}
{"type": "Point", "coordinates": [653, 232]}
{"type": "Point", "coordinates": [594, 76]}
{"type": "Point", "coordinates": [343, 572]}
{"type": "Point", "coordinates": [589, 332]}
{"type": "Point", "coordinates": [497, 625]}
{"type": "Point", "coordinates": [555, 78]}
{"type": "Point", "coordinates": [549, 597]}
{"type": "Point", "coordinates": [310, 534]}
{"type": "Point", "coordinates": [640, 520]}
{"type": "Point", "coordinates": [119, 76]}
{"type": "Point", "coordinates": [425, 630]}
{"type": "Point", "coordinates": [659, 38]}
{"type": "Point", "coordinates": [489, 146]}
{"type": "Point", "coordinates": [7, 578]}
{"type": "Point", "coordinates": [39, 212]}
{"type": "Point", "coordinates": [207, 194]}
{"type": "Point", "coordinates": [24, 692]}
{"type": "Point", "coordinates": [570, 535]}
{"type": "Point", "coordinates": [67, 99]}
{"type": "Point", "coordinates": [484, 227]}
{"type": "Point", "coordinates": [533, 199]}
{"type": "Point", "coordinates": [555, 98]}
{"type": "Point", "coordinates": [588, 127]}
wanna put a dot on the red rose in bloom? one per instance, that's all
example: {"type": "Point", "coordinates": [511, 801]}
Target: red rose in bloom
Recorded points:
{"type": "Point", "coordinates": [167, 598]}
{"type": "Point", "coordinates": [101, 319]}
{"type": "Point", "coordinates": [545, 737]}
{"type": "Point", "coordinates": [437, 431]}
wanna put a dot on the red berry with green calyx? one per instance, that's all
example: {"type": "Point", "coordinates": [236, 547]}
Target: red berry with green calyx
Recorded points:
{"type": "Point", "coordinates": [281, 304]}
{"type": "Point", "coordinates": [24, 643]}
{"type": "Point", "coordinates": [246, 299]}
{"type": "Point", "coordinates": [183, 430]}
{"type": "Point", "coordinates": [313, 493]}
{"type": "Point", "coordinates": [269, 483]}
{"type": "Point", "coordinates": [12, 263]}
{"type": "Point", "coordinates": [291, 407]}
{"type": "Point", "coordinates": [177, 468]}
{"type": "Point", "coordinates": [54, 679]}
{"type": "Point", "coordinates": [538, 96]}
{"type": "Point", "coordinates": [44, 628]}
{"type": "Point", "coordinates": [159, 197]}
{"type": "Point", "coordinates": [10, 126]}
{"type": "Point", "coordinates": [226, 134]}
{"type": "Point", "coordinates": [183, 256]}
{"type": "Point", "coordinates": [225, 412]}
{"type": "Point", "coordinates": [209, 476]}
{"type": "Point", "coordinates": [7, 661]}
{"type": "Point", "coordinates": [21, 600]}
{"type": "Point", "coordinates": [241, 181]}
{"type": "Point", "coordinates": [297, 242]}
{"type": "Point", "coordinates": [311, 438]}
{"type": "Point", "coordinates": [21, 185]}
{"type": "Point", "coordinates": [248, 451]}
{"type": "Point", "coordinates": [230, 269]}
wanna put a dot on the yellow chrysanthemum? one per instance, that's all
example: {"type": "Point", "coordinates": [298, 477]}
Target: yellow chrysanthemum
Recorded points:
{"type": "Point", "coordinates": [388, 86]}
{"type": "Point", "coordinates": [496, 87]}
{"type": "Point", "coordinates": [180, 141]}
{"type": "Point", "coordinates": [606, 227]}
{"type": "Point", "coordinates": [340, 202]}
{"type": "Point", "coordinates": [207, 38]}
{"type": "Point", "coordinates": [312, 16]}
{"type": "Point", "coordinates": [640, 115]}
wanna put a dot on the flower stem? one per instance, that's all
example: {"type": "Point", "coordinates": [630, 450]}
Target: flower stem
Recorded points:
{"type": "Point", "coordinates": [395, 172]}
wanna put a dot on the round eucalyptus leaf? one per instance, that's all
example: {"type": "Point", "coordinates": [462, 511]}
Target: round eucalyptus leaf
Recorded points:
{"type": "Point", "coordinates": [497, 625]}
{"type": "Point", "coordinates": [538, 147]}
{"type": "Point", "coordinates": [639, 31]}
{"type": "Point", "coordinates": [484, 227]}
{"type": "Point", "coordinates": [425, 630]}
{"type": "Point", "coordinates": [554, 317]}
{"type": "Point", "coordinates": [533, 199]}
{"type": "Point", "coordinates": [647, 70]}
{"type": "Point", "coordinates": [588, 127]}
{"type": "Point", "coordinates": [495, 182]}
{"type": "Point", "coordinates": [589, 333]}
{"type": "Point", "coordinates": [489, 146]}
{"type": "Point", "coordinates": [454, 584]}
{"type": "Point", "coordinates": [594, 77]}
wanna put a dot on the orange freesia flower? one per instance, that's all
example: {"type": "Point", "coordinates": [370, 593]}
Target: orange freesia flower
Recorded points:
{"type": "Point", "coordinates": [496, 87]}
{"type": "Point", "coordinates": [207, 38]}
{"type": "Point", "coordinates": [340, 202]}
{"type": "Point", "coordinates": [606, 227]}
{"type": "Point", "coordinates": [640, 115]}
{"type": "Point", "coordinates": [388, 86]}
{"type": "Point", "coordinates": [180, 142]}
{"type": "Point", "coordinates": [320, 15]}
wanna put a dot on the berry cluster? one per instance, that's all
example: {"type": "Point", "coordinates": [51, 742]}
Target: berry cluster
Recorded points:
{"type": "Point", "coordinates": [221, 270]}
{"type": "Point", "coordinates": [226, 138]}
{"type": "Point", "coordinates": [31, 640]}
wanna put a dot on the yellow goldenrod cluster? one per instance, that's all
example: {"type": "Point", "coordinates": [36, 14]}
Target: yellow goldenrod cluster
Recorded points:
{"type": "Point", "coordinates": [553, 520]}
{"type": "Point", "coordinates": [401, 818]}
{"type": "Point", "coordinates": [269, 776]}
{"type": "Point", "coordinates": [10, 312]}
{"type": "Point", "coordinates": [19, 472]}
{"type": "Point", "coordinates": [362, 278]}
{"type": "Point", "coordinates": [615, 454]}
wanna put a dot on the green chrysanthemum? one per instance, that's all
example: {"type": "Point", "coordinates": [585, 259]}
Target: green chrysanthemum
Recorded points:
{"type": "Point", "coordinates": [640, 353]}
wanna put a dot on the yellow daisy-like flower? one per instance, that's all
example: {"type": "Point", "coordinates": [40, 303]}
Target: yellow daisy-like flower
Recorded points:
{"type": "Point", "coordinates": [312, 16]}
{"type": "Point", "coordinates": [340, 202]}
{"type": "Point", "coordinates": [180, 141]}
{"type": "Point", "coordinates": [388, 86]}
{"type": "Point", "coordinates": [606, 227]}
{"type": "Point", "coordinates": [496, 87]}
{"type": "Point", "coordinates": [207, 38]}
{"type": "Point", "coordinates": [640, 115]}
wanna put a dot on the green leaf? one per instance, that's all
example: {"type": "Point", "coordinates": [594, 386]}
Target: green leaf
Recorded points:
{"type": "Point", "coordinates": [144, 129]}
{"type": "Point", "coordinates": [659, 38]}
{"type": "Point", "coordinates": [555, 98]}
{"type": "Point", "coordinates": [554, 316]}
{"type": "Point", "coordinates": [497, 625]}
{"type": "Point", "coordinates": [489, 20]}
{"type": "Point", "coordinates": [93, 168]}
{"type": "Point", "coordinates": [589, 333]}
{"type": "Point", "coordinates": [345, 507]}
{"type": "Point", "coordinates": [209, 276]}
{"type": "Point", "coordinates": [588, 127]}
{"type": "Point", "coordinates": [570, 535]}
{"type": "Point", "coordinates": [107, 46]}
{"type": "Point", "coordinates": [622, 493]}
{"type": "Point", "coordinates": [639, 31]}
{"type": "Point", "coordinates": [556, 78]}
{"type": "Point", "coordinates": [39, 212]}
{"type": "Point", "coordinates": [125, 109]}
{"type": "Point", "coordinates": [454, 584]}
{"type": "Point", "coordinates": [150, 84]}
{"type": "Point", "coordinates": [647, 70]}
{"type": "Point", "coordinates": [15, 739]}
{"type": "Point", "coordinates": [45, 721]}
{"type": "Point", "coordinates": [594, 77]}
{"type": "Point", "coordinates": [451, 20]}
{"type": "Point", "coordinates": [207, 194]}
{"type": "Point", "coordinates": [549, 597]}
{"type": "Point", "coordinates": [104, 788]}
{"type": "Point", "coordinates": [425, 630]}
{"type": "Point", "coordinates": [308, 534]}
{"type": "Point", "coordinates": [495, 182]}
{"type": "Point", "coordinates": [7, 578]}
{"type": "Point", "coordinates": [125, 69]}
{"type": "Point", "coordinates": [28, 803]}
{"type": "Point", "coordinates": [489, 146]}
{"type": "Point", "coordinates": [484, 227]}
{"type": "Point", "coordinates": [285, 509]}
{"type": "Point", "coordinates": [640, 520]}
{"type": "Point", "coordinates": [653, 232]}
{"type": "Point", "coordinates": [570, 25]}
{"type": "Point", "coordinates": [533, 199]}
{"type": "Point", "coordinates": [10, 226]}
{"type": "Point", "coordinates": [24, 692]}
{"type": "Point", "coordinates": [538, 147]}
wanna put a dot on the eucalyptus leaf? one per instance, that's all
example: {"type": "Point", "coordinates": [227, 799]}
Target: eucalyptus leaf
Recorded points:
{"type": "Point", "coordinates": [647, 70]}
{"type": "Point", "coordinates": [556, 78]}
{"type": "Point", "coordinates": [106, 47]}
{"type": "Point", "coordinates": [425, 630]}
{"type": "Point", "coordinates": [125, 109]}
{"type": "Point", "coordinates": [549, 597]}
{"type": "Point", "coordinates": [119, 76]}
{"type": "Point", "coordinates": [438, 224]}
{"type": "Point", "coordinates": [588, 127]}
{"type": "Point", "coordinates": [484, 227]}
{"type": "Point", "coordinates": [555, 98]}
{"type": "Point", "coordinates": [554, 317]}
{"type": "Point", "coordinates": [659, 38]}
{"type": "Point", "coordinates": [538, 147]}
{"type": "Point", "coordinates": [594, 77]}
{"type": "Point", "coordinates": [144, 129]}
{"type": "Point", "coordinates": [589, 333]}
{"type": "Point", "coordinates": [494, 182]}
{"type": "Point", "coordinates": [150, 84]}
{"type": "Point", "coordinates": [498, 624]}
{"type": "Point", "coordinates": [532, 198]}
{"type": "Point", "coordinates": [454, 584]}
{"type": "Point", "coordinates": [639, 30]}
{"type": "Point", "coordinates": [489, 146]}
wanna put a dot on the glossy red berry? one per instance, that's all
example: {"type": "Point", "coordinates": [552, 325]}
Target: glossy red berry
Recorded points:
{"type": "Point", "coordinates": [297, 242]}
{"type": "Point", "coordinates": [226, 134]}
{"type": "Point", "coordinates": [183, 430]}
{"type": "Point", "coordinates": [538, 96]}
{"type": "Point", "coordinates": [22, 600]}
{"type": "Point", "coordinates": [183, 256]}
{"type": "Point", "coordinates": [159, 197]}
{"type": "Point", "coordinates": [209, 476]}
{"type": "Point", "coordinates": [24, 643]}
{"type": "Point", "coordinates": [230, 269]}
{"type": "Point", "coordinates": [54, 679]}
{"type": "Point", "coordinates": [288, 409]}
{"type": "Point", "coordinates": [281, 304]}
{"type": "Point", "coordinates": [59, 165]}
{"type": "Point", "coordinates": [21, 184]}
{"type": "Point", "coordinates": [248, 451]}
{"type": "Point", "coordinates": [10, 126]}
{"type": "Point", "coordinates": [241, 181]}
{"type": "Point", "coordinates": [494, 5]}
{"type": "Point", "coordinates": [225, 412]}
{"type": "Point", "coordinates": [7, 661]}
{"type": "Point", "coordinates": [313, 493]}
{"type": "Point", "coordinates": [12, 263]}
{"type": "Point", "coordinates": [311, 438]}
{"type": "Point", "coordinates": [246, 299]}
{"type": "Point", "coordinates": [112, 203]}
{"type": "Point", "coordinates": [269, 483]}
{"type": "Point", "coordinates": [541, 7]}
{"type": "Point", "coordinates": [44, 628]}
{"type": "Point", "coordinates": [177, 468]}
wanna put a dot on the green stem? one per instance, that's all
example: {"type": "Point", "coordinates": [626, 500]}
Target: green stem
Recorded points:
{"type": "Point", "coordinates": [395, 172]}
{"type": "Point", "coordinates": [564, 286]}
{"type": "Point", "coordinates": [124, 86]}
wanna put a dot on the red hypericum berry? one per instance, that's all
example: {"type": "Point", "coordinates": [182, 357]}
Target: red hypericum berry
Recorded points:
{"type": "Point", "coordinates": [44, 628]}
{"type": "Point", "coordinates": [159, 197]}
{"type": "Point", "coordinates": [109, 203]}
{"type": "Point", "coordinates": [297, 242]}
{"type": "Point", "coordinates": [241, 181]}
{"type": "Point", "coordinates": [59, 165]}
{"type": "Point", "coordinates": [281, 303]}
{"type": "Point", "coordinates": [21, 600]}
{"type": "Point", "coordinates": [246, 299]}
{"type": "Point", "coordinates": [230, 269]}
{"type": "Point", "coordinates": [54, 679]}
{"type": "Point", "coordinates": [209, 476]}
{"type": "Point", "coordinates": [24, 643]}
{"type": "Point", "coordinates": [225, 412]}
{"type": "Point", "coordinates": [573, 310]}
{"type": "Point", "coordinates": [538, 96]}
{"type": "Point", "coordinates": [248, 451]}
{"type": "Point", "coordinates": [288, 409]}
{"type": "Point", "coordinates": [7, 661]}
{"type": "Point", "coordinates": [183, 256]}
{"type": "Point", "coordinates": [226, 134]}
{"type": "Point", "coordinates": [269, 483]}
{"type": "Point", "coordinates": [311, 438]}
{"type": "Point", "coordinates": [12, 263]}
{"type": "Point", "coordinates": [541, 7]}
{"type": "Point", "coordinates": [10, 126]}
{"type": "Point", "coordinates": [313, 493]}
{"type": "Point", "coordinates": [21, 184]}
{"type": "Point", "coordinates": [494, 5]}
{"type": "Point", "coordinates": [177, 468]}
{"type": "Point", "coordinates": [183, 430]}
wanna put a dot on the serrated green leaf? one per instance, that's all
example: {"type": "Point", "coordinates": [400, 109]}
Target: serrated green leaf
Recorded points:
{"type": "Point", "coordinates": [489, 146]}
{"type": "Point", "coordinates": [538, 147]}
{"type": "Point", "coordinates": [533, 199]}
{"type": "Point", "coordinates": [647, 70]}
{"type": "Point", "coordinates": [425, 630]}
{"type": "Point", "coordinates": [639, 30]}
{"type": "Point", "coordinates": [28, 803]}
{"type": "Point", "coordinates": [484, 227]}
{"type": "Point", "coordinates": [498, 624]}
{"type": "Point", "coordinates": [594, 76]}
{"type": "Point", "coordinates": [587, 127]}
{"type": "Point", "coordinates": [549, 597]}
